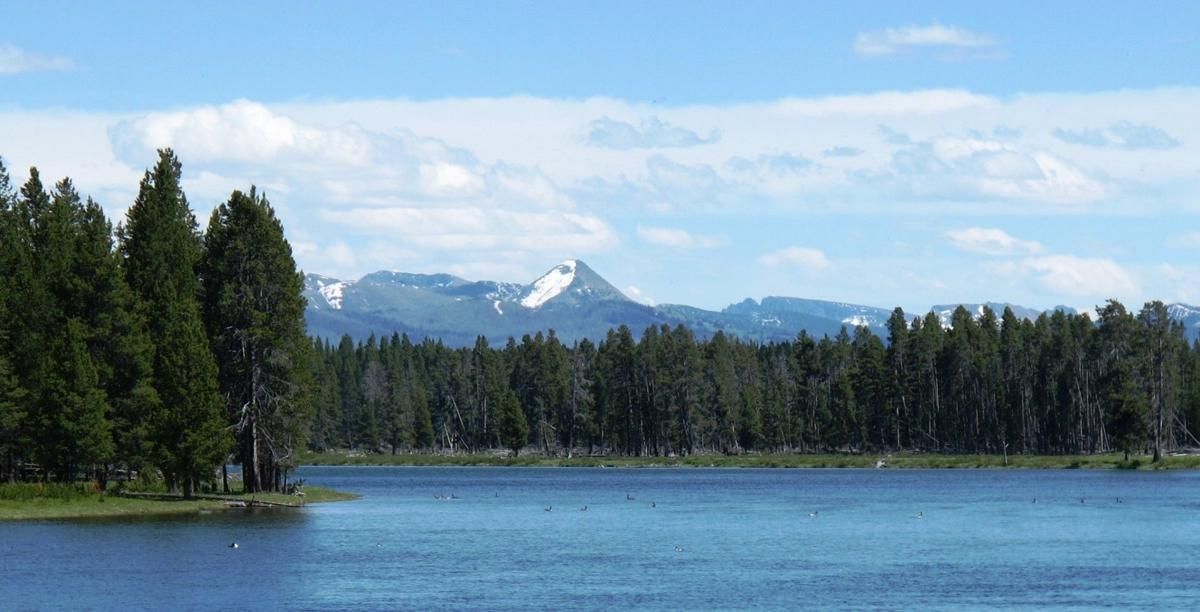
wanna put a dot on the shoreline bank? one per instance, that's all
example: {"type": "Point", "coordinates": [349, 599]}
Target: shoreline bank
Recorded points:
{"type": "Point", "coordinates": [891, 461]}
{"type": "Point", "coordinates": [116, 506]}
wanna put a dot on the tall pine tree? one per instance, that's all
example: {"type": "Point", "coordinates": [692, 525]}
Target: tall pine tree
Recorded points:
{"type": "Point", "coordinates": [254, 312]}
{"type": "Point", "coordinates": [160, 246]}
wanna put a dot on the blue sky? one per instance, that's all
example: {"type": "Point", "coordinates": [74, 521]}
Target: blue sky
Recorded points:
{"type": "Point", "coordinates": [880, 153]}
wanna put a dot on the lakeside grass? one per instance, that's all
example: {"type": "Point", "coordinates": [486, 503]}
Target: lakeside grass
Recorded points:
{"type": "Point", "coordinates": [894, 461]}
{"type": "Point", "coordinates": [62, 502]}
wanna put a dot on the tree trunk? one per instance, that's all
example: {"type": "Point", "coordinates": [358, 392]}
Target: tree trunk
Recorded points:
{"type": "Point", "coordinates": [250, 471]}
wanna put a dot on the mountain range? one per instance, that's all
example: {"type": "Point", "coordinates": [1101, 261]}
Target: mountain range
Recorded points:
{"type": "Point", "coordinates": [577, 303]}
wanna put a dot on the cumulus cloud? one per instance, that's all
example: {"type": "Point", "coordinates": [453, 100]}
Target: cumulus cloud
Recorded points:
{"type": "Point", "coordinates": [1120, 135]}
{"type": "Point", "coordinates": [1069, 275]}
{"type": "Point", "coordinates": [895, 40]}
{"type": "Point", "coordinates": [247, 132]}
{"type": "Point", "coordinates": [677, 238]}
{"type": "Point", "coordinates": [651, 134]}
{"type": "Point", "coordinates": [796, 257]}
{"type": "Point", "coordinates": [15, 60]}
{"type": "Point", "coordinates": [991, 241]}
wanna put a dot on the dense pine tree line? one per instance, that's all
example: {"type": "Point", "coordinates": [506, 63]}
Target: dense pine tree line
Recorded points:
{"type": "Point", "coordinates": [151, 348]}
{"type": "Point", "coordinates": [989, 384]}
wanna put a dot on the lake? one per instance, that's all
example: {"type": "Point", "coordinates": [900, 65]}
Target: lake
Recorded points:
{"type": "Point", "coordinates": [483, 538]}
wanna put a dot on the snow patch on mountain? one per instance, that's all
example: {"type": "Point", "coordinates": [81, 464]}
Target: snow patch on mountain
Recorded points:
{"type": "Point", "coordinates": [859, 321]}
{"type": "Point", "coordinates": [1183, 312]}
{"type": "Point", "coordinates": [496, 305]}
{"type": "Point", "coordinates": [505, 292]}
{"type": "Point", "coordinates": [332, 292]}
{"type": "Point", "coordinates": [550, 285]}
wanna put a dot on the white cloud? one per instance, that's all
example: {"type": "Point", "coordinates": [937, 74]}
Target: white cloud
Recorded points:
{"type": "Point", "coordinates": [973, 168]}
{"type": "Point", "coordinates": [891, 41]}
{"type": "Point", "coordinates": [241, 131]}
{"type": "Point", "coordinates": [1069, 275]}
{"type": "Point", "coordinates": [458, 229]}
{"type": "Point", "coordinates": [796, 257]}
{"type": "Point", "coordinates": [881, 104]}
{"type": "Point", "coordinates": [14, 60]}
{"type": "Point", "coordinates": [990, 241]}
{"type": "Point", "coordinates": [677, 238]}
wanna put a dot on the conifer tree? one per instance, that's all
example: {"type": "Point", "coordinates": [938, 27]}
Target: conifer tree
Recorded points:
{"type": "Point", "coordinates": [514, 429]}
{"type": "Point", "coordinates": [254, 312]}
{"type": "Point", "coordinates": [12, 395]}
{"type": "Point", "coordinates": [160, 247]}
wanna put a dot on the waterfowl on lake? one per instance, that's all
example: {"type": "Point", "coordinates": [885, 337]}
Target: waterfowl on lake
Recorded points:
{"type": "Point", "coordinates": [549, 508]}
{"type": "Point", "coordinates": [234, 545]}
{"type": "Point", "coordinates": [584, 508]}
{"type": "Point", "coordinates": [813, 514]}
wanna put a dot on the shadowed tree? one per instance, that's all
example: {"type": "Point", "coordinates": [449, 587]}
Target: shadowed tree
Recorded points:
{"type": "Point", "coordinates": [254, 312]}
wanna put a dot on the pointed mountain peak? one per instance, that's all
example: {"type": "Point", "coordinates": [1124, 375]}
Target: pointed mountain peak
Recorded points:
{"type": "Point", "coordinates": [550, 284]}
{"type": "Point", "coordinates": [571, 280]}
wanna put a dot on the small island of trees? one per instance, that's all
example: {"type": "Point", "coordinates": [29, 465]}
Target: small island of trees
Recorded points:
{"type": "Point", "coordinates": [153, 347]}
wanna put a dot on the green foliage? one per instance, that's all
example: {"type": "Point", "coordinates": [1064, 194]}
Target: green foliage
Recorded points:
{"type": "Point", "coordinates": [17, 491]}
{"type": "Point", "coordinates": [514, 430]}
{"type": "Point", "coordinates": [161, 252]}
{"type": "Point", "coordinates": [254, 314]}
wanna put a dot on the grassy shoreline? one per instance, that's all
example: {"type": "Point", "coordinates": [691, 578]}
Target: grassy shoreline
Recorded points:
{"type": "Point", "coordinates": [894, 461]}
{"type": "Point", "coordinates": [96, 505]}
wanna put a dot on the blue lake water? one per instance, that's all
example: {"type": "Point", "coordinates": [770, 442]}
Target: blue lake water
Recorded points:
{"type": "Point", "coordinates": [690, 539]}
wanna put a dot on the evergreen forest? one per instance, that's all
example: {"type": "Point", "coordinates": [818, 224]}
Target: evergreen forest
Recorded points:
{"type": "Point", "coordinates": [995, 384]}
{"type": "Point", "coordinates": [154, 346]}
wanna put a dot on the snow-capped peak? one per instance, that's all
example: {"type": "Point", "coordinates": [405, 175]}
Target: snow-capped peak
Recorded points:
{"type": "Point", "coordinates": [550, 284]}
